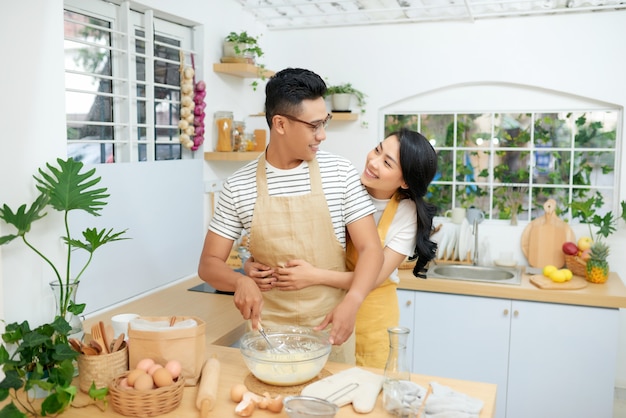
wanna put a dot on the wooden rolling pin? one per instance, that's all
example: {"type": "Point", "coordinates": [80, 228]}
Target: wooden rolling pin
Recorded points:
{"type": "Point", "coordinates": [207, 389]}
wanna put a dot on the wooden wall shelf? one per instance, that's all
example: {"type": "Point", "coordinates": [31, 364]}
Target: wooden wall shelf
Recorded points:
{"type": "Point", "coordinates": [231, 156]}
{"type": "Point", "coordinates": [344, 116]}
{"type": "Point", "coordinates": [242, 70]}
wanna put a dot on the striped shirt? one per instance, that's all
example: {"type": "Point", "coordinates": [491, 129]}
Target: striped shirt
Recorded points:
{"type": "Point", "coordinates": [346, 197]}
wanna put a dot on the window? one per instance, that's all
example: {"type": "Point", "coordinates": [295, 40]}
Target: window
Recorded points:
{"type": "Point", "coordinates": [122, 83]}
{"type": "Point", "coordinates": [509, 163]}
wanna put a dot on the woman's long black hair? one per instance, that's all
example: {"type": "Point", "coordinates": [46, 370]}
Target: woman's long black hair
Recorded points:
{"type": "Point", "coordinates": [418, 160]}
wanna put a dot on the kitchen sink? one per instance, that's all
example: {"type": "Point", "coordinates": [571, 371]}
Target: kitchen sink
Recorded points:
{"type": "Point", "coordinates": [500, 275]}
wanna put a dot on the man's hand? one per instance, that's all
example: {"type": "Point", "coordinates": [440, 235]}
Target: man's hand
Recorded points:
{"type": "Point", "coordinates": [262, 275]}
{"type": "Point", "coordinates": [248, 300]}
{"type": "Point", "coordinates": [342, 318]}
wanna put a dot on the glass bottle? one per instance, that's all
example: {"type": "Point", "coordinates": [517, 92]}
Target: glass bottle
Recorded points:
{"type": "Point", "coordinates": [224, 127]}
{"type": "Point", "coordinates": [397, 373]}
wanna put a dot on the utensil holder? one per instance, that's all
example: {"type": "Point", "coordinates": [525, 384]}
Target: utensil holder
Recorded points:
{"type": "Point", "coordinates": [101, 369]}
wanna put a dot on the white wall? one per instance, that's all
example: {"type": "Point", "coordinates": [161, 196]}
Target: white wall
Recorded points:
{"type": "Point", "coordinates": [576, 54]}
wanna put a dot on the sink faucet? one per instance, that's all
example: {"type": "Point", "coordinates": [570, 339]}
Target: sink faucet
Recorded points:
{"type": "Point", "coordinates": [475, 232]}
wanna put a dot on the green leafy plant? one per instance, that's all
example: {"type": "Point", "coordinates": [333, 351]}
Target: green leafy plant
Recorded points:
{"type": "Point", "coordinates": [585, 211]}
{"type": "Point", "coordinates": [245, 44]}
{"type": "Point", "coordinates": [347, 88]}
{"type": "Point", "coordinates": [63, 188]}
{"type": "Point", "coordinates": [40, 358]}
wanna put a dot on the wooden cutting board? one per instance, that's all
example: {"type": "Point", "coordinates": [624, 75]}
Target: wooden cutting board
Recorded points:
{"type": "Point", "coordinates": [544, 282]}
{"type": "Point", "coordinates": [543, 238]}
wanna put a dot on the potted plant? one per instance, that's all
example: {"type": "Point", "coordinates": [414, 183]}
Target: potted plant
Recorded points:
{"type": "Point", "coordinates": [341, 97]}
{"type": "Point", "coordinates": [63, 188]}
{"type": "Point", "coordinates": [241, 47]}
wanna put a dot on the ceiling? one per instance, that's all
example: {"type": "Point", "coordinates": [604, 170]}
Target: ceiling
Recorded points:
{"type": "Point", "coordinates": [298, 14]}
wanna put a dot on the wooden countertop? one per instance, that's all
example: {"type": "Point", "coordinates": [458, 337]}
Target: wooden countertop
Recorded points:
{"type": "Point", "coordinates": [611, 294]}
{"type": "Point", "coordinates": [233, 370]}
{"type": "Point", "coordinates": [224, 326]}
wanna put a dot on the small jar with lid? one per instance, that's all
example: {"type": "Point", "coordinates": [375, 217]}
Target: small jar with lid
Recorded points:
{"type": "Point", "coordinates": [238, 132]}
{"type": "Point", "coordinates": [223, 129]}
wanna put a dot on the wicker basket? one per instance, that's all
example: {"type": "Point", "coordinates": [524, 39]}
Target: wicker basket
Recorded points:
{"type": "Point", "coordinates": [577, 265]}
{"type": "Point", "coordinates": [101, 369]}
{"type": "Point", "coordinates": [145, 403]}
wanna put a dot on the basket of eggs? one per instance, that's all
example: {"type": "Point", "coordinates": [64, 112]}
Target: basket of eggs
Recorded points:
{"type": "Point", "coordinates": [150, 389]}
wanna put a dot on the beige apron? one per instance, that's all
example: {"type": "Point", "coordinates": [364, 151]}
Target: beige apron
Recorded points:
{"type": "Point", "coordinates": [288, 227]}
{"type": "Point", "coordinates": [380, 309]}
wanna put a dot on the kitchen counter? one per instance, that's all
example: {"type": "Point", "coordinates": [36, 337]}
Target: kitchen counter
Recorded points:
{"type": "Point", "coordinates": [224, 326]}
{"type": "Point", "coordinates": [611, 294]}
{"type": "Point", "coordinates": [233, 370]}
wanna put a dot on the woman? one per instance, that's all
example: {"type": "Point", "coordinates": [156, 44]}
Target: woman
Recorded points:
{"type": "Point", "coordinates": [396, 175]}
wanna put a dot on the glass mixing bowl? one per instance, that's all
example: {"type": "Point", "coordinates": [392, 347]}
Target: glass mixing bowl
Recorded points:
{"type": "Point", "coordinates": [306, 354]}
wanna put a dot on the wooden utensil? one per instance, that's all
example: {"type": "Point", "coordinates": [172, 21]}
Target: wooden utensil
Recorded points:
{"type": "Point", "coordinates": [544, 282]}
{"type": "Point", "coordinates": [96, 334]}
{"type": "Point", "coordinates": [96, 346]}
{"type": "Point", "coordinates": [543, 238]}
{"type": "Point", "coordinates": [105, 338]}
{"type": "Point", "coordinates": [89, 351]}
{"type": "Point", "coordinates": [117, 344]}
{"type": "Point", "coordinates": [76, 345]}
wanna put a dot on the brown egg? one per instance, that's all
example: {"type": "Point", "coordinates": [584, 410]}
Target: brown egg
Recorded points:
{"type": "Point", "coordinates": [174, 367]}
{"type": "Point", "coordinates": [145, 364]}
{"type": "Point", "coordinates": [133, 375]}
{"type": "Point", "coordinates": [154, 367]}
{"type": "Point", "coordinates": [162, 377]}
{"type": "Point", "coordinates": [237, 391]}
{"type": "Point", "coordinates": [144, 382]}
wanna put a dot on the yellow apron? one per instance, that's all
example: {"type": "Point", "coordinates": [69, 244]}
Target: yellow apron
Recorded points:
{"type": "Point", "coordinates": [288, 227]}
{"type": "Point", "coordinates": [380, 309]}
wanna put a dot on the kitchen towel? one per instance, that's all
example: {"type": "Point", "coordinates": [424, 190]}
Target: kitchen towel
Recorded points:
{"type": "Point", "coordinates": [443, 402]}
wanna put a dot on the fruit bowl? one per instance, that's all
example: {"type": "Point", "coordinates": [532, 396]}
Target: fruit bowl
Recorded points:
{"type": "Point", "coordinates": [306, 354]}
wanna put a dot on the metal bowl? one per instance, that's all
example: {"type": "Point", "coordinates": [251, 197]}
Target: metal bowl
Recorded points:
{"type": "Point", "coordinates": [307, 353]}
{"type": "Point", "coordinates": [308, 406]}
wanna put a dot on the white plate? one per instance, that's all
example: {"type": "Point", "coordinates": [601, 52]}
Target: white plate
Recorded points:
{"type": "Point", "coordinates": [453, 232]}
{"type": "Point", "coordinates": [443, 241]}
{"type": "Point", "coordinates": [463, 242]}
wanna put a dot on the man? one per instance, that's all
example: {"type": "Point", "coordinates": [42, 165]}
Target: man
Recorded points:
{"type": "Point", "coordinates": [296, 203]}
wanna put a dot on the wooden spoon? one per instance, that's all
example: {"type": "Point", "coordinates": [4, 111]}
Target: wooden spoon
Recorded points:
{"type": "Point", "coordinates": [76, 345]}
{"type": "Point", "coordinates": [96, 346]}
{"type": "Point", "coordinates": [89, 351]}
{"type": "Point", "coordinates": [106, 348]}
{"type": "Point", "coordinates": [117, 344]}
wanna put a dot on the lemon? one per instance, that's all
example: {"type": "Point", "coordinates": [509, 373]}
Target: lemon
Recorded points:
{"type": "Point", "coordinates": [549, 269]}
{"type": "Point", "coordinates": [558, 276]}
{"type": "Point", "coordinates": [568, 274]}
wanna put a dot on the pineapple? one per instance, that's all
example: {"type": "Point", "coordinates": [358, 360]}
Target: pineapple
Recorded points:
{"type": "Point", "coordinates": [597, 266]}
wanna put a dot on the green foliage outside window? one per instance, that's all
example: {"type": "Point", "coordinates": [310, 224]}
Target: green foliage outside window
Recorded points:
{"type": "Point", "coordinates": [509, 164]}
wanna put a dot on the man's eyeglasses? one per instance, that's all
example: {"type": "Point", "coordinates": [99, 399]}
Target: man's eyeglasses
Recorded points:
{"type": "Point", "coordinates": [315, 126]}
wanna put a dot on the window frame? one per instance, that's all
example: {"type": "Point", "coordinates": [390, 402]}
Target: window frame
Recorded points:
{"type": "Point", "coordinates": [125, 19]}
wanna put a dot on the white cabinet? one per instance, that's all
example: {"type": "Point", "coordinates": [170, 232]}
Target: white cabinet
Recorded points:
{"type": "Point", "coordinates": [548, 360]}
{"type": "Point", "coordinates": [407, 318]}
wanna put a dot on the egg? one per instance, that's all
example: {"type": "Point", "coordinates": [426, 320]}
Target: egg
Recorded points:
{"type": "Point", "coordinates": [237, 391]}
{"type": "Point", "coordinates": [124, 383]}
{"type": "Point", "coordinates": [133, 375]}
{"type": "Point", "coordinates": [174, 367]}
{"type": "Point", "coordinates": [154, 368]}
{"type": "Point", "coordinates": [144, 382]}
{"type": "Point", "coordinates": [162, 377]}
{"type": "Point", "coordinates": [145, 364]}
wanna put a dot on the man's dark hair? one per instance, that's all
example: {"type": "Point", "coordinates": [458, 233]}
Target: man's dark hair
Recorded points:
{"type": "Point", "coordinates": [286, 90]}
